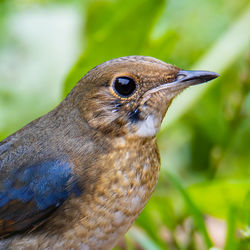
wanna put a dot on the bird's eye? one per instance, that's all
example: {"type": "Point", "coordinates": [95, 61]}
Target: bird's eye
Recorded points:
{"type": "Point", "coordinates": [124, 86]}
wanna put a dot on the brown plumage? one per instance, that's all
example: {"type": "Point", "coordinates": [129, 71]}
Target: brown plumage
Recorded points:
{"type": "Point", "coordinates": [78, 177]}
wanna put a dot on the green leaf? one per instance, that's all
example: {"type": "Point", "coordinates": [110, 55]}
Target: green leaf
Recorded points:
{"type": "Point", "coordinates": [231, 243]}
{"type": "Point", "coordinates": [215, 197]}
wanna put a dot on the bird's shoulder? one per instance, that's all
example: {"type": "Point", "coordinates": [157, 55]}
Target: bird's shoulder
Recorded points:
{"type": "Point", "coordinates": [31, 187]}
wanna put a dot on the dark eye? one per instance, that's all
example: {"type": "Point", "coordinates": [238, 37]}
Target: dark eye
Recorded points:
{"type": "Point", "coordinates": [124, 86]}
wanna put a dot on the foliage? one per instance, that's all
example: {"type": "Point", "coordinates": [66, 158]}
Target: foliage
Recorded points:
{"type": "Point", "coordinates": [205, 150]}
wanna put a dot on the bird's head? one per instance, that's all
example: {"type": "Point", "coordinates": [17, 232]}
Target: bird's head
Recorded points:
{"type": "Point", "coordinates": [130, 95]}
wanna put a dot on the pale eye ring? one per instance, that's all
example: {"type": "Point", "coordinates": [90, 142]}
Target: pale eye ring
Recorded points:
{"type": "Point", "coordinates": [124, 86]}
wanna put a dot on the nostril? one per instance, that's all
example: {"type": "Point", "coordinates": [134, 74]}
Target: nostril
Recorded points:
{"type": "Point", "coordinates": [180, 76]}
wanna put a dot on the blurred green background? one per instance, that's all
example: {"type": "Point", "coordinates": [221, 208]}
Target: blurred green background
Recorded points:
{"type": "Point", "coordinates": [202, 199]}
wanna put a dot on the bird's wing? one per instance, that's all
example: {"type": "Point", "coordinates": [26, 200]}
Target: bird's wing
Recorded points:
{"type": "Point", "coordinates": [29, 194]}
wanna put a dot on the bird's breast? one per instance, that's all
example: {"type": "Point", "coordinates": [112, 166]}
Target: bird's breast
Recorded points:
{"type": "Point", "coordinates": [128, 177]}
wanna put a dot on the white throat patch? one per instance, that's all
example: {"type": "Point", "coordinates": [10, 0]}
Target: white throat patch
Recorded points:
{"type": "Point", "coordinates": [147, 127]}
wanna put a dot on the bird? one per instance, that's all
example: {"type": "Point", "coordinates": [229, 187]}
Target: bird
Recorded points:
{"type": "Point", "coordinates": [78, 176]}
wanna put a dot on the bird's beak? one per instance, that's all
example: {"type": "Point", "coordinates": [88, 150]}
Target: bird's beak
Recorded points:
{"type": "Point", "coordinates": [193, 77]}
{"type": "Point", "coordinates": [186, 78]}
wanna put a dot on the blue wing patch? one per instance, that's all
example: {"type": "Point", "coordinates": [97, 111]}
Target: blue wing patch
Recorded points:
{"type": "Point", "coordinates": [46, 185]}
